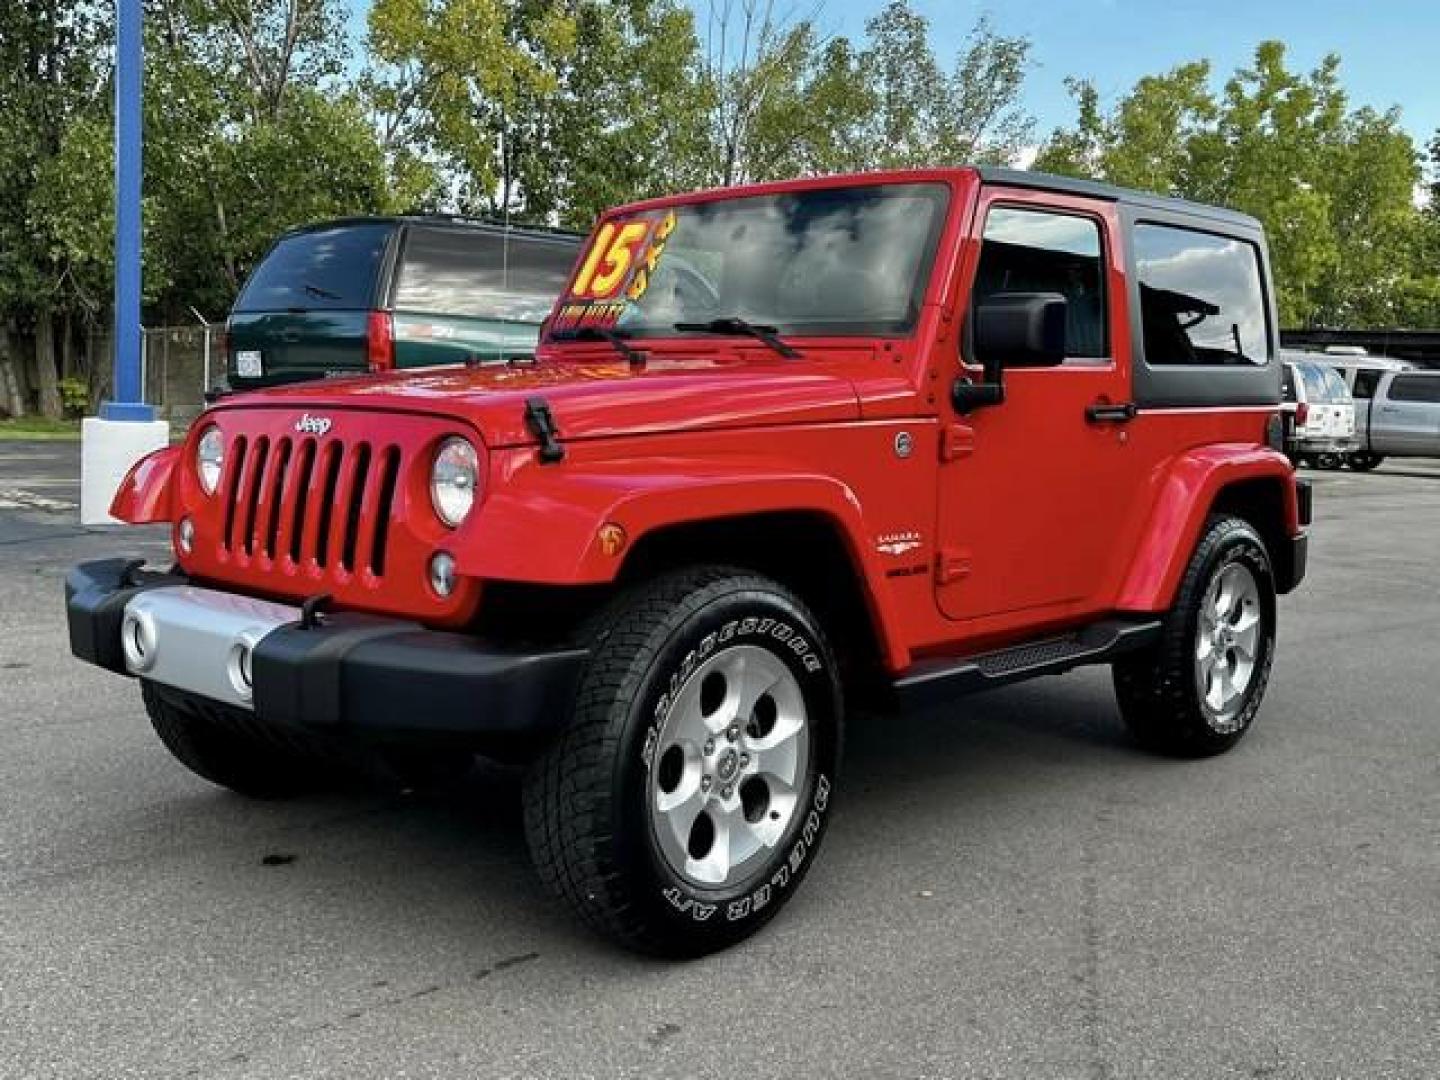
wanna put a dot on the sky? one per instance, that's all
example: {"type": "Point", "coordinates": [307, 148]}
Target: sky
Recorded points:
{"type": "Point", "coordinates": [1390, 49]}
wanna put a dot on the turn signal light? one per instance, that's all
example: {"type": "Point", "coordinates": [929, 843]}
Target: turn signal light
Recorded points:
{"type": "Point", "coordinates": [612, 538]}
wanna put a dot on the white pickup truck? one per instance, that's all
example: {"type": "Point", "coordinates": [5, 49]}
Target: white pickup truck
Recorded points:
{"type": "Point", "coordinates": [1397, 414]}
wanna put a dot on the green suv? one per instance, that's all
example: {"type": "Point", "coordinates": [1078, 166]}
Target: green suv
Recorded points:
{"type": "Point", "coordinates": [373, 293]}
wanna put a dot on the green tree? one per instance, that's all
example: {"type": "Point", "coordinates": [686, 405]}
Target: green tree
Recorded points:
{"type": "Point", "coordinates": [250, 131]}
{"type": "Point", "coordinates": [464, 80]}
{"type": "Point", "coordinates": [48, 79]}
{"type": "Point", "coordinates": [541, 110]}
{"type": "Point", "coordinates": [627, 121]}
{"type": "Point", "coordinates": [885, 103]}
{"type": "Point", "coordinates": [1334, 187]}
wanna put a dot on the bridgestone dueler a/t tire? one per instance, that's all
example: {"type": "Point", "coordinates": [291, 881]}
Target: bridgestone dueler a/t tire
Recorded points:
{"type": "Point", "coordinates": [227, 757]}
{"type": "Point", "coordinates": [1157, 688]}
{"type": "Point", "coordinates": [587, 815]}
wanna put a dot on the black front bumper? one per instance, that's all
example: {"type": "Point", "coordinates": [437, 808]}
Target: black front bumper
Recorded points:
{"type": "Point", "coordinates": [353, 672]}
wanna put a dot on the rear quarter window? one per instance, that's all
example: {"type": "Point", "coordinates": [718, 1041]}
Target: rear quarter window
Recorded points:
{"type": "Point", "coordinates": [1201, 297]}
{"type": "Point", "coordinates": [1425, 388]}
{"type": "Point", "coordinates": [320, 269]}
{"type": "Point", "coordinates": [479, 274]}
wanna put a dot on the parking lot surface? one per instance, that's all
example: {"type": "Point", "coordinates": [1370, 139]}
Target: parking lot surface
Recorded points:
{"type": "Point", "coordinates": [1009, 889]}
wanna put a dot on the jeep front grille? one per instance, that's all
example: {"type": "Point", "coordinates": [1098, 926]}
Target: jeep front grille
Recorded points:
{"type": "Point", "coordinates": [299, 504]}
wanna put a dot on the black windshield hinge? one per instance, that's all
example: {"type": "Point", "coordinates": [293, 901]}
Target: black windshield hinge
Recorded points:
{"type": "Point", "coordinates": [541, 423]}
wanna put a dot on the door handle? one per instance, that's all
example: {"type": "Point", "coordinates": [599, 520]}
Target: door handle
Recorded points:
{"type": "Point", "coordinates": [1102, 412]}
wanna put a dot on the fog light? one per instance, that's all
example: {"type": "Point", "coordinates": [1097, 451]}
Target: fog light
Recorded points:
{"type": "Point", "coordinates": [137, 639]}
{"type": "Point", "coordinates": [185, 534]}
{"type": "Point", "coordinates": [442, 574]}
{"type": "Point", "coordinates": [242, 671]}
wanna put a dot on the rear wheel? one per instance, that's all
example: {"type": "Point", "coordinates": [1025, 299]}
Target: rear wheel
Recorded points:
{"type": "Point", "coordinates": [1329, 462]}
{"type": "Point", "coordinates": [1197, 690]}
{"type": "Point", "coordinates": [689, 795]}
{"type": "Point", "coordinates": [1364, 461]}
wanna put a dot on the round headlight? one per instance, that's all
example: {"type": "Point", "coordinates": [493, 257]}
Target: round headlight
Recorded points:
{"type": "Point", "coordinates": [210, 459]}
{"type": "Point", "coordinates": [453, 480]}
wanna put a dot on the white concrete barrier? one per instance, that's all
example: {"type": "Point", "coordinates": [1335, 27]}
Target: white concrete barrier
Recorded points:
{"type": "Point", "coordinates": [108, 449]}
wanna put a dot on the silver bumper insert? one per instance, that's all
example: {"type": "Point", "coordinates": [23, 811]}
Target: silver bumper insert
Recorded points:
{"type": "Point", "coordinates": [199, 640]}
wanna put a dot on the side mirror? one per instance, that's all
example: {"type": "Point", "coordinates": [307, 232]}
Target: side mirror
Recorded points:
{"type": "Point", "coordinates": [1019, 329]}
{"type": "Point", "coordinates": [1016, 329]}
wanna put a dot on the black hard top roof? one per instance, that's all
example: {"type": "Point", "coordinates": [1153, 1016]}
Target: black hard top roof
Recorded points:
{"type": "Point", "coordinates": [455, 221]}
{"type": "Point", "coordinates": [1095, 190]}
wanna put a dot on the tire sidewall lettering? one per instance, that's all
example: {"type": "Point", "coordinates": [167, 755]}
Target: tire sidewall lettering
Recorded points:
{"type": "Point", "coordinates": [1245, 554]}
{"type": "Point", "coordinates": [784, 640]}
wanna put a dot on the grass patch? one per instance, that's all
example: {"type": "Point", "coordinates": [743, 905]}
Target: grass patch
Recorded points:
{"type": "Point", "coordinates": [38, 427]}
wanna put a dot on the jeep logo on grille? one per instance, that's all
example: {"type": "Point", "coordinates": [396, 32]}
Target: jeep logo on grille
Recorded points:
{"type": "Point", "coordinates": [312, 425]}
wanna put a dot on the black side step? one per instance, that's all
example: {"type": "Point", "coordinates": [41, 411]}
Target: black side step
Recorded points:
{"type": "Point", "coordinates": [929, 682]}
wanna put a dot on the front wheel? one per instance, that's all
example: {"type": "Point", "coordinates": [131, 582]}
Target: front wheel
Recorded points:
{"type": "Point", "coordinates": [1196, 691]}
{"type": "Point", "coordinates": [688, 797]}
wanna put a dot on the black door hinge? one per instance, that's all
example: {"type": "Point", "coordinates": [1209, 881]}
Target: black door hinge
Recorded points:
{"type": "Point", "coordinates": [541, 423]}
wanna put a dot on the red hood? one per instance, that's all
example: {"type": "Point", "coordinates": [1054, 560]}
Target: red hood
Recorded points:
{"type": "Point", "coordinates": [594, 398]}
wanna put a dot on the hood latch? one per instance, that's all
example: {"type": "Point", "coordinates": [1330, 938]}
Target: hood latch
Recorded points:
{"type": "Point", "coordinates": [541, 423]}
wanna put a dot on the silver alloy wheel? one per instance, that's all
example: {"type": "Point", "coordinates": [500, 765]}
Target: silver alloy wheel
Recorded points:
{"type": "Point", "coordinates": [1227, 644]}
{"type": "Point", "coordinates": [727, 770]}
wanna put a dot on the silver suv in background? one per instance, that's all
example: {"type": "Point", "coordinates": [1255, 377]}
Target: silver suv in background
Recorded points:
{"type": "Point", "coordinates": [1397, 415]}
{"type": "Point", "coordinates": [1321, 412]}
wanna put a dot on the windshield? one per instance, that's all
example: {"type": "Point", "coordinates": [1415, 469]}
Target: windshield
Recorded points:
{"type": "Point", "coordinates": [330, 268]}
{"type": "Point", "coordinates": [833, 261]}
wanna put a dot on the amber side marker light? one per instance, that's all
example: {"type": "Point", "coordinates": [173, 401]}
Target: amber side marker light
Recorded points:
{"type": "Point", "coordinates": [612, 538]}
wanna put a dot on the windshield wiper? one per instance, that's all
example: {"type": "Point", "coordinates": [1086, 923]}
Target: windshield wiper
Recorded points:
{"type": "Point", "coordinates": [738, 326]}
{"type": "Point", "coordinates": [615, 338]}
{"type": "Point", "coordinates": [323, 294]}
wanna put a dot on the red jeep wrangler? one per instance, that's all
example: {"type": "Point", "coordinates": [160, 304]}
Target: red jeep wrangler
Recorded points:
{"type": "Point", "coordinates": [923, 433]}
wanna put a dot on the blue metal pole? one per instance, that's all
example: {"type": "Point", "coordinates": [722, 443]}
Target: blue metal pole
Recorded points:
{"type": "Point", "coordinates": [128, 403]}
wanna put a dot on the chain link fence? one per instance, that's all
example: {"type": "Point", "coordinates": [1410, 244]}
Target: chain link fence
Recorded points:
{"type": "Point", "coordinates": [179, 363]}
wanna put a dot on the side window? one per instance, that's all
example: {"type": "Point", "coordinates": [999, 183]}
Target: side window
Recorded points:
{"type": "Point", "coordinates": [1415, 388]}
{"type": "Point", "coordinates": [1366, 380]}
{"type": "Point", "coordinates": [1201, 299]}
{"type": "Point", "coordinates": [481, 274]}
{"type": "Point", "coordinates": [1041, 251]}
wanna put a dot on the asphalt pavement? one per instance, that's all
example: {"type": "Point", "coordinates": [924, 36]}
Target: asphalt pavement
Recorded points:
{"type": "Point", "coordinates": [1009, 888]}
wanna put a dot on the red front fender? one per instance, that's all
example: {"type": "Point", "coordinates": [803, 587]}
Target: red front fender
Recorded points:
{"type": "Point", "coordinates": [145, 493]}
{"type": "Point", "coordinates": [542, 525]}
